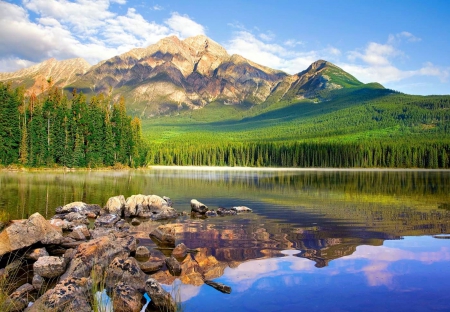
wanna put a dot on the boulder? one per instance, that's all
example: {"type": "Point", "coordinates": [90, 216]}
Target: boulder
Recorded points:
{"type": "Point", "coordinates": [144, 206]}
{"type": "Point", "coordinates": [77, 234]}
{"type": "Point", "coordinates": [142, 253]}
{"type": "Point", "coordinates": [161, 299]}
{"type": "Point", "coordinates": [80, 207]}
{"type": "Point", "coordinates": [126, 298]}
{"type": "Point", "coordinates": [165, 234]}
{"type": "Point", "coordinates": [35, 254]}
{"type": "Point", "coordinates": [127, 271]}
{"type": "Point", "coordinates": [28, 232]}
{"type": "Point", "coordinates": [198, 207]}
{"type": "Point", "coordinates": [241, 209]}
{"type": "Point", "coordinates": [61, 223]}
{"type": "Point", "coordinates": [168, 201]}
{"type": "Point", "coordinates": [115, 205]}
{"type": "Point", "coordinates": [20, 298]}
{"type": "Point", "coordinates": [164, 214]}
{"type": "Point", "coordinates": [174, 266]}
{"type": "Point", "coordinates": [180, 251]}
{"type": "Point", "coordinates": [108, 221]}
{"type": "Point", "coordinates": [70, 294]}
{"type": "Point", "coordinates": [49, 266]}
{"type": "Point", "coordinates": [76, 218]}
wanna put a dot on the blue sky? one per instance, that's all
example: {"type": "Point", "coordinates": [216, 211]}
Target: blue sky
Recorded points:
{"type": "Point", "coordinates": [402, 44]}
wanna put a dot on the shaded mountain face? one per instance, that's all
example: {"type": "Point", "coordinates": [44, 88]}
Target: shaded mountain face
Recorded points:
{"type": "Point", "coordinates": [177, 74]}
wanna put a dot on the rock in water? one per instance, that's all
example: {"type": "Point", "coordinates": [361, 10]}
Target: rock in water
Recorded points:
{"type": "Point", "coordinates": [180, 251]}
{"type": "Point", "coordinates": [27, 232]}
{"type": "Point", "coordinates": [161, 299]}
{"type": "Point", "coordinates": [165, 234]}
{"type": "Point", "coordinates": [174, 266]}
{"type": "Point", "coordinates": [198, 207]}
{"type": "Point", "coordinates": [108, 220]}
{"type": "Point", "coordinates": [241, 209]}
{"type": "Point", "coordinates": [219, 286]}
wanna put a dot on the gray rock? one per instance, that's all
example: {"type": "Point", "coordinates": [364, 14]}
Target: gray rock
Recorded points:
{"type": "Point", "coordinates": [165, 234]}
{"type": "Point", "coordinates": [35, 254]}
{"type": "Point", "coordinates": [76, 217]}
{"type": "Point", "coordinates": [142, 253]}
{"type": "Point", "coordinates": [211, 213]}
{"type": "Point", "coordinates": [226, 212]}
{"type": "Point", "coordinates": [28, 232]}
{"type": "Point", "coordinates": [77, 234]}
{"type": "Point", "coordinates": [80, 207]}
{"type": "Point", "coordinates": [108, 221]}
{"type": "Point", "coordinates": [164, 214]}
{"type": "Point", "coordinates": [37, 282]}
{"type": "Point", "coordinates": [144, 206]}
{"type": "Point", "coordinates": [69, 255]}
{"type": "Point", "coordinates": [198, 207]}
{"type": "Point", "coordinates": [168, 201]}
{"type": "Point", "coordinates": [49, 266]}
{"type": "Point", "coordinates": [126, 298]}
{"type": "Point", "coordinates": [174, 266]}
{"type": "Point", "coordinates": [127, 271]}
{"type": "Point", "coordinates": [115, 205]}
{"type": "Point", "coordinates": [161, 299]}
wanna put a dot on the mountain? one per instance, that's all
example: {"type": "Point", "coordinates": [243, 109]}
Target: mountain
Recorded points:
{"type": "Point", "coordinates": [36, 79]}
{"type": "Point", "coordinates": [176, 74]}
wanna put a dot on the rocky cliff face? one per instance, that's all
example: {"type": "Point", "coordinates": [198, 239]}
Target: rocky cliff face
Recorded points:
{"type": "Point", "coordinates": [174, 74]}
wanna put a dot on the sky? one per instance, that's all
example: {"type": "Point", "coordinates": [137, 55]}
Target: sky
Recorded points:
{"type": "Point", "coordinates": [402, 44]}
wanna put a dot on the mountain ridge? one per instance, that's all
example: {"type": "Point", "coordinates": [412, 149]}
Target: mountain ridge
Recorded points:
{"type": "Point", "coordinates": [174, 74]}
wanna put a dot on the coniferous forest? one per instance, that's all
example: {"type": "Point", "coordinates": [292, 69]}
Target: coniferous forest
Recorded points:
{"type": "Point", "coordinates": [51, 130]}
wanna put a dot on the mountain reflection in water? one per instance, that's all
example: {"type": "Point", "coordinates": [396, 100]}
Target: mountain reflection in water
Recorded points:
{"type": "Point", "coordinates": [321, 240]}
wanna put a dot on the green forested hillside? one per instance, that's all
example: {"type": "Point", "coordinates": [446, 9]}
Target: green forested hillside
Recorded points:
{"type": "Point", "coordinates": [365, 126]}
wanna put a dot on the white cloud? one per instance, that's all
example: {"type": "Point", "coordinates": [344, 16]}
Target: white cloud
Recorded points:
{"type": "Point", "coordinates": [184, 25]}
{"type": "Point", "coordinates": [268, 36]}
{"type": "Point", "coordinates": [64, 29]}
{"type": "Point", "coordinates": [292, 43]}
{"type": "Point", "coordinates": [157, 8]}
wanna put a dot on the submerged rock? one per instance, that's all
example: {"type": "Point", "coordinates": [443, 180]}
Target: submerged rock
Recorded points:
{"type": "Point", "coordinates": [165, 234]}
{"type": "Point", "coordinates": [241, 209]}
{"type": "Point", "coordinates": [174, 266]}
{"type": "Point", "coordinates": [142, 253]}
{"type": "Point", "coordinates": [225, 212]}
{"type": "Point", "coordinates": [180, 251]}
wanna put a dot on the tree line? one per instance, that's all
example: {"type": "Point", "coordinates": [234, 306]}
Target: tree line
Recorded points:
{"type": "Point", "coordinates": [51, 130]}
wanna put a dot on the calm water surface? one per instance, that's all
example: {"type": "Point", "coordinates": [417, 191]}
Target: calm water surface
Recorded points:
{"type": "Point", "coordinates": [317, 240]}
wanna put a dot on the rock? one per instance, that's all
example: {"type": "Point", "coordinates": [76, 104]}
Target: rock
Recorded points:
{"type": "Point", "coordinates": [100, 251]}
{"type": "Point", "coordinates": [108, 221]}
{"type": "Point", "coordinates": [28, 232]}
{"type": "Point", "coordinates": [226, 212]}
{"type": "Point", "coordinates": [70, 294]}
{"type": "Point", "coordinates": [151, 266]}
{"type": "Point", "coordinates": [122, 225]}
{"type": "Point", "coordinates": [37, 282]}
{"type": "Point", "coordinates": [164, 214]}
{"type": "Point", "coordinates": [20, 298]}
{"type": "Point", "coordinates": [180, 251]}
{"type": "Point", "coordinates": [135, 221]}
{"type": "Point", "coordinates": [76, 218]}
{"type": "Point", "coordinates": [77, 234]}
{"type": "Point", "coordinates": [126, 298]}
{"type": "Point", "coordinates": [70, 242]}
{"type": "Point", "coordinates": [142, 253]}
{"type": "Point", "coordinates": [161, 299]}
{"type": "Point", "coordinates": [127, 271]}
{"type": "Point", "coordinates": [241, 209]}
{"type": "Point", "coordinates": [69, 255]}
{"type": "Point", "coordinates": [144, 206]}
{"type": "Point", "coordinates": [35, 254]}
{"type": "Point", "coordinates": [211, 213]}
{"type": "Point", "coordinates": [174, 266]}
{"type": "Point", "coordinates": [165, 234]}
{"type": "Point", "coordinates": [168, 201]}
{"type": "Point", "coordinates": [198, 207]}
{"type": "Point", "coordinates": [219, 286]}
{"type": "Point", "coordinates": [115, 205]}
{"type": "Point", "coordinates": [49, 266]}
{"type": "Point", "coordinates": [62, 224]}
{"type": "Point", "coordinates": [79, 207]}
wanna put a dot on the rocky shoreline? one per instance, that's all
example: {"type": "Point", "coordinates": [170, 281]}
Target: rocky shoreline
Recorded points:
{"type": "Point", "coordinates": [61, 264]}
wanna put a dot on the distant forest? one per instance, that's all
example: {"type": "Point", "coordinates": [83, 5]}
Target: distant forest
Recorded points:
{"type": "Point", "coordinates": [50, 130]}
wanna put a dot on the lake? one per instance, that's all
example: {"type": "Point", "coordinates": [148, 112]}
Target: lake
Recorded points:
{"type": "Point", "coordinates": [321, 240]}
